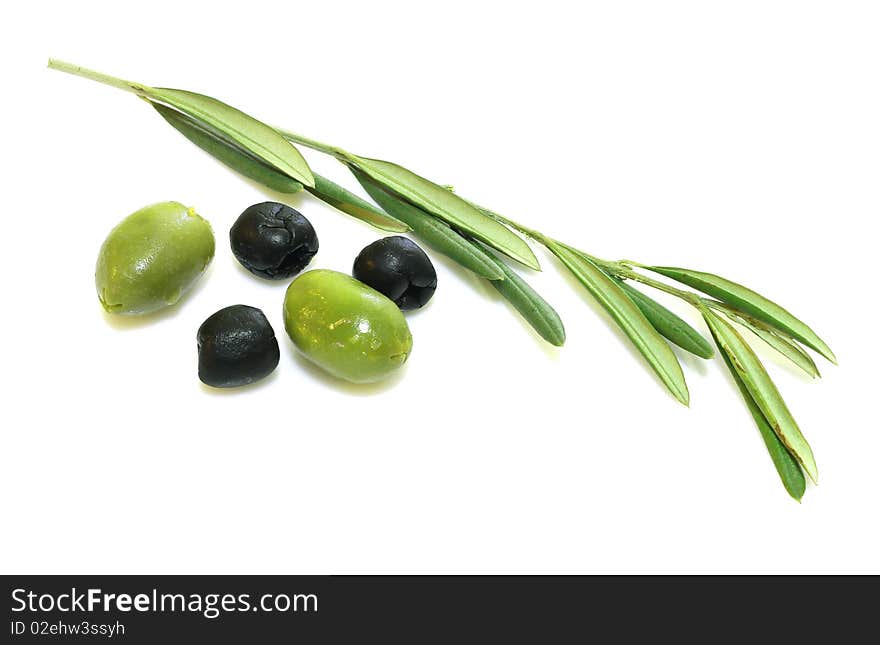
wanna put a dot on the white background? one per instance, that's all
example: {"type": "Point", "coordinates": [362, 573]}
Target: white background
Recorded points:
{"type": "Point", "coordinates": [741, 138]}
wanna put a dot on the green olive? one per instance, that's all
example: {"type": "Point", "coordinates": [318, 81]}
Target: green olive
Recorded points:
{"type": "Point", "coordinates": [345, 327]}
{"type": "Point", "coordinates": [152, 257]}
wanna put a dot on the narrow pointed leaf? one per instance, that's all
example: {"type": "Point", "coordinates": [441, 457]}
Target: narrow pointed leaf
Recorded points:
{"type": "Point", "coordinates": [631, 320]}
{"type": "Point", "coordinates": [254, 136]}
{"type": "Point", "coordinates": [670, 326]}
{"type": "Point", "coordinates": [433, 232]}
{"type": "Point", "coordinates": [786, 465]}
{"type": "Point", "coordinates": [750, 302]}
{"type": "Point", "coordinates": [235, 157]}
{"type": "Point", "coordinates": [242, 161]}
{"type": "Point", "coordinates": [346, 201]}
{"type": "Point", "coordinates": [788, 348]}
{"type": "Point", "coordinates": [762, 390]}
{"type": "Point", "coordinates": [539, 314]}
{"type": "Point", "coordinates": [447, 206]}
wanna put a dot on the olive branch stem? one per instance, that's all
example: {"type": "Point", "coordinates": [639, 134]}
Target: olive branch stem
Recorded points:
{"type": "Point", "coordinates": [334, 151]}
{"type": "Point", "coordinates": [100, 77]}
{"type": "Point", "coordinates": [621, 269]}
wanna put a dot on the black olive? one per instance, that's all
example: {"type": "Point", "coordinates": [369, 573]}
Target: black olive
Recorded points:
{"type": "Point", "coordinates": [237, 346]}
{"type": "Point", "coordinates": [273, 241]}
{"type": "Point", "coordinates": [397, 267]}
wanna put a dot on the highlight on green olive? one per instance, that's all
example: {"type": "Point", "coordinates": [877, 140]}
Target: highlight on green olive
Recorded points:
{"type": "Point", "coordinates": [152, 257]}
{"type": "Point", "coordinates": [345, 327]}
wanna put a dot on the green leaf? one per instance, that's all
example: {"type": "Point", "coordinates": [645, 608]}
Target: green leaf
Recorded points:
{"type": "Point", "coordinates": [762, 390]}
{"type": "Point", "coordinates": [785, 346]}
{"type": "Point", "coordinates": [629, 317]}
{"type": "Point", "coordinates": [234, 125]}
{"type": "Point", "coordinates": [786, 465]}
{"type": "Point", "coordinates": [670, 326]}
{"type": "Point", "coordinates": [432, 231]}
{"type": "Point", "coordinates": [225, 151]}
{"type": "Point", "coordinates": [750, 302]}
{"type": "Point", "coordinates": [447, 206]}
{"type": "Point", "coordinates": [242, 161]}
{"type": "Point", "coordinates": [346, 201]}
{"type": "Point", "coordinates": [539, 314]}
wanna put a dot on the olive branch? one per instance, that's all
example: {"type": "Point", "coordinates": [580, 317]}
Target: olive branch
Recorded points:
{"type": "Point", "coordinates": [475, 237]}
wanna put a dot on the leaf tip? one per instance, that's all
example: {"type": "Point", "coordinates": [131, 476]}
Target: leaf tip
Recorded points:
{"type": "Point", "coordinates": [812, 471]}
{"type": "Point", "coordinates": [679, 388]}
{"type": "Point", "coordinates": [683, 397]}
{"type": "Point", "coordinates": [558, 341]}
{"type": "Point", "coordinates": [822, 347]}
{"type": "Point", "coordinates": [307, 178]}
{"type": "Point", "coordinates": [708, 352]}
{"type": "Point", "coordinates": [530, 260]}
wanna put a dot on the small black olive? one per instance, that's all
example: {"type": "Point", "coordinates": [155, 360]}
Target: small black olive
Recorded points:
{"type": "Point", "coordinates": [273, 241]}
{"type": "Point", "coordinates": [237, 346]}
{"type": "Point", "coordinates": [397, 267]}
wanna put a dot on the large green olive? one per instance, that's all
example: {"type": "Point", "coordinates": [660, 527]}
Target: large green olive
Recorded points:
{"type": "Point", "coordinates": [152, 257]}
{"type": "Point", "coordinates": [346, 327]}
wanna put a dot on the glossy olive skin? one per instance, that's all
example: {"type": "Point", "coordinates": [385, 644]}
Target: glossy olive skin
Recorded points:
{"type": "Point", "coordinates": [398, 268]}
{"type": "Point", "coordinates": [237, 346]}
{"type": "Point", "coordinates": [152, 257]}
{"type": "Point", "coordinates": [347, 328]}
{"type": "Point", "coordinates": [273, 241]}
